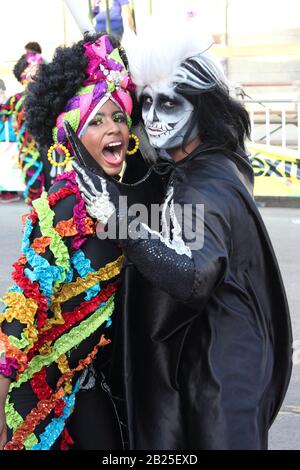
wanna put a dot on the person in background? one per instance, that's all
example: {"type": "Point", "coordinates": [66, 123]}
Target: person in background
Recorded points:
{"type": "Point", "coordinates": [120, 15]}
{"type": "Point", "coordinates": [2, 91]}
{"type": "Point", "coordinates": [29, 155]}
{"type": "Point", "coordinates": [6, 196]}
{"type": "Point", "coordinates": [11, 133]}
{"type": "Point", "coordinates": [33, 47]}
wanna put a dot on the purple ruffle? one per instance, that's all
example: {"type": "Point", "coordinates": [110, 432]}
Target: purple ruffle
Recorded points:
{"type": "Point", "coordinates": [8, 366]}
{"type": "Point", "coordinates": [79, 211]}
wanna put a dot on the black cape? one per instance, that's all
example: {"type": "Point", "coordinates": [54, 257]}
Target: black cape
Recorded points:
{"type": "Point", "coordinates": [210, 373]}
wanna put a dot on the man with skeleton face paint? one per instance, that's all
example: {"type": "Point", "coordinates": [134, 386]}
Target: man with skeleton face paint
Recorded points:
{"type": "Point", "coordinates": [205, 328]}
{"type": "Point", "coordinates": [166, 116]}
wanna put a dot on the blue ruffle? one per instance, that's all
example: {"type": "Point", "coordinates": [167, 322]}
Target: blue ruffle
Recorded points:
{"type": "Point", "coordinates": [15, 288]}
{"type": "Point", "coordinates": [83, 267]}
{"type": "Point", "coordinates": [41, 272]}
{"type": "Point", "coordinates": [38, 170]}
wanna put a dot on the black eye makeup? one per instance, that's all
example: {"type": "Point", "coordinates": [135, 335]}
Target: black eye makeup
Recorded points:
{"type": "Point", "coordinates": [168, 104]}
{"type": "Point", "coordinates": [147, 102]}
{"type": "Point", "coordinates": [147, 99]}
{"type": "Point", "coordinates": [161, 102]}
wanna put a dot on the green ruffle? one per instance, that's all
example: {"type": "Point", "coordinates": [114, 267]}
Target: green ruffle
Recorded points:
{"type": "Point", "coordinates": [57, 246]}
{"type": "Point", "coordinates": [21, 343]}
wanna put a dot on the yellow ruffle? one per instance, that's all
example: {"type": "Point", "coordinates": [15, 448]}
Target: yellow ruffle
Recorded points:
{"type": "Point", "coordinates": [71, 290]}
{"type": "Point", "coordinates": [63, 366]}
{"type": "Point", "coordinates": [19, 308]}
{"type": "Point", "coordinates": [46, 349]}
{"type": "Point", "coordinates": [22, 309]}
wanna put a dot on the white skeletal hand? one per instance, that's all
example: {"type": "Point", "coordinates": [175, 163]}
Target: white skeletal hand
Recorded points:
{"type": "Point", "coordinates": [98, 203]}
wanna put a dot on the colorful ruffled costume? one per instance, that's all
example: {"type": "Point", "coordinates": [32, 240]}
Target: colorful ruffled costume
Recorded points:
{"type": "Point", "coordinates": [38, 328]}
{"type": "Point", "coordinates": [57, 312]}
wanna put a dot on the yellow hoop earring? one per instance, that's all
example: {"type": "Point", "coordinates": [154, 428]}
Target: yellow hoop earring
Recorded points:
{"type": "Point", "coordinates": [136, 144]}
{"type": "Point", "coordinates": [64, 149]}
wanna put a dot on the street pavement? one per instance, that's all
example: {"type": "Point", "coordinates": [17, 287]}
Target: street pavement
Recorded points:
{"type": "Point", "coordinates": [284, 229]}
{"type": "Point", "coordinates": [283, 225]}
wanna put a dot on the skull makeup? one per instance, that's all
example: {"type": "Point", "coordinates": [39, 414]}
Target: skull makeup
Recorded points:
{"type": "Point", "coordinates": [166, 115]}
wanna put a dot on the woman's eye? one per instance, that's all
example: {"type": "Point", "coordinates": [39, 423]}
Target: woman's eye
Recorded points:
{"type": "Point", "coordinates": [120, 117]}
{"type": "Point", "coordinates": [96, 121]}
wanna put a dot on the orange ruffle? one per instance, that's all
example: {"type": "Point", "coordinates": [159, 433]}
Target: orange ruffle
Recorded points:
{"type": "Point", "coordinates": [11, 351]}
{"type": "Point", "coordinates": [22, 260]}
{"type": "Point", "coordinates": [40, 244]}
{"type": "Point", "coordinates": [24, 218]}
{"type": "Point", "coordinates": [67, 228]}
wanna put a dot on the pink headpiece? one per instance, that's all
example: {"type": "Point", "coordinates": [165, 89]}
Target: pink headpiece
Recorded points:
{"type": "Point", "coordinates": [33, 61]}
{"type": "Point", "coordinates": [106, 76]}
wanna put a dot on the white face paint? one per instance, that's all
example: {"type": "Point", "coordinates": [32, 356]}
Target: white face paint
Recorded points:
{"type": "Point", "coordinates": [166, 115]}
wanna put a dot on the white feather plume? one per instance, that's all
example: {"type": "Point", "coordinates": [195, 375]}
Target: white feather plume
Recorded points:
{"type": "Point", "coordinates": [155, 54]}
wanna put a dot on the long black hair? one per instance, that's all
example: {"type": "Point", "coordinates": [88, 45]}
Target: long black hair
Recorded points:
{"type": "Point", "coordinates": [222, 121]}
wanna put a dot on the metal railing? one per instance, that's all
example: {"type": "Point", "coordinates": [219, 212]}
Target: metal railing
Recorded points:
{"type": "Point", "coordinates": [274, 122]}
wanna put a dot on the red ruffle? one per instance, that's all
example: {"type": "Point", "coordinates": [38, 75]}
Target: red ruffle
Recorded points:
{"type": "Point", "coordinates": [72, 317]}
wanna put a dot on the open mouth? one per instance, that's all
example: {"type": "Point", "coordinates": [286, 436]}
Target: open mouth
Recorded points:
{"type": "Point", "coordinates": [113, 153]}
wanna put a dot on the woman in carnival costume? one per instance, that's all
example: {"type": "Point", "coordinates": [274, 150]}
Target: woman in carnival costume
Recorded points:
{"type": "Point", "coordinates": [205, 343]}
{"type": "Point", "coordinates": [58, 313]}
{"type": "Point", "coordinates": [29, 155]}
